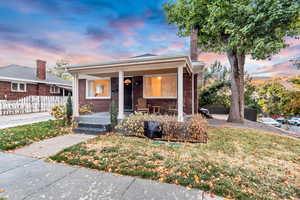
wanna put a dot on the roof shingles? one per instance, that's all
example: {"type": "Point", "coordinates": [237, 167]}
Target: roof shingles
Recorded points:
{"type": "Point", "coordinates": [29, 74]}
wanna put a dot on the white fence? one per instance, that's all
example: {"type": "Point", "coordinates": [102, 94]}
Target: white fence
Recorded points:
{"type": "Point", "coordinates": [30, 104]}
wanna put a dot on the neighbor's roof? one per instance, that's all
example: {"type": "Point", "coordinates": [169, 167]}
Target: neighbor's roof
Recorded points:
{"type": "Point", "coordinates": [28, 74]}
{"type": "Point", "coordinates": [138, 59]}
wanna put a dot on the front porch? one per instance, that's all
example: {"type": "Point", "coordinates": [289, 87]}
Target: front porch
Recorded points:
{"type": "Point", "coordinates": [161, 84]}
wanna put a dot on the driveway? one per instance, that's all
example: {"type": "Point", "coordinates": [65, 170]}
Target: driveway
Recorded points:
{"type": "Point", "coordinates": [23, 119]}
{"type": "Point", "coordinates": [29, 179]}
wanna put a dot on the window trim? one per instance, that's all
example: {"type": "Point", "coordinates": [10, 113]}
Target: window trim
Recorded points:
{"type": "Point", "coordinates": [54, 92]}
{"type": "Point", "coordinates": [158, 75]}
{"type": "Point", "coordinates": [93, 79]}
{"type": "Point", "coordinates": [18, 90]}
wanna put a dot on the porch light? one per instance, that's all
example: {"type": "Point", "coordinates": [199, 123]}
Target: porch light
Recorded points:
{"type": "Point", "coordinates": [159, 78]}
{"type": "Point", "coordinates": [127, 81]}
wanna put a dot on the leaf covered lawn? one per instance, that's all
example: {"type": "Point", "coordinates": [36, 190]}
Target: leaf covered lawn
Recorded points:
{"type": "Point", "coordinates": [19, 136]}
{"type": "Point", "coordinates": [236, 163]}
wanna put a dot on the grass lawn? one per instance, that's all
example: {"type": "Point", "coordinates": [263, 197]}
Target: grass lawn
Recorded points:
{"type": "Point", "coordinates": [236, 163]}
{"type": "Point", "coordinates": [19, 136]}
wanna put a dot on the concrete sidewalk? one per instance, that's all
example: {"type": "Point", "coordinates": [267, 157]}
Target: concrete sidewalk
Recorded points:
{"type": "Point", "coordinates": [29, 179]}
{"type": "Point", "coordinates": [23, 119]}
{"type": "Point", "coordinates": [52, 146]}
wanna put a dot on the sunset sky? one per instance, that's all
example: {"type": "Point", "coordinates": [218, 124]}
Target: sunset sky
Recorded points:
{"type": "Point", "coordinates": [100, 30]}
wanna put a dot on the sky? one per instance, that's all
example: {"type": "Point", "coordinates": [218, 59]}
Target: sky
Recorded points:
{"type": "Point", "coordinates": [83, 31]}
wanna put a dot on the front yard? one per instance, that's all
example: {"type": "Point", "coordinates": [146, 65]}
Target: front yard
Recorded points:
{"type": "Point", "coordinates": [236, 163]}
{"type": "Point", "coordinates": [19, 136]}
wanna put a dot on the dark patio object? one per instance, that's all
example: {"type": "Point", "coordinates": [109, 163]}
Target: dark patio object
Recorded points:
{"type": "Point", "coordinates": [152, 129]}
{"type": "Point", "coordinates": [204, 112]}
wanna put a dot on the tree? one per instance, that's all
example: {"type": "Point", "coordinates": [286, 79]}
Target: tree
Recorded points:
{"type": "Point", "coordinates": [60, 69]}
{"type": "Point", "coordinates": [237, 28]}
{"type": "Point", "coordinates": [69, 109]}
{"type": "Point", "coordinates": [296, 62]}
{"type": "Point", "coordinates": [215, 73]}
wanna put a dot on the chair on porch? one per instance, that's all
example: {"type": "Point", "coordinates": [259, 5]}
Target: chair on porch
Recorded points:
{"type": "Point", "coordinates": [172, 110]}
{"type": "Point", "coordinates": [142, 106]}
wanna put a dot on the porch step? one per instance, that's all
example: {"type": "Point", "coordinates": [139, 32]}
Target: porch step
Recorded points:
{"type": "Point", "coordinates": [93, 120]}
{"type": "Point", "coordinates": [97, 129]}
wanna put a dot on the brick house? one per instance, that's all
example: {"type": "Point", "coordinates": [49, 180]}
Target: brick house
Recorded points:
{"type": "Point", "coordinates": [19, 81]}
{"type": "Point", "coordinates": [164, 82]}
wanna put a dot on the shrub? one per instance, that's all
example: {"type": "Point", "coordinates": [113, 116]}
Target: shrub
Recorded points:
{"type": "Point", "coordinates": [69, 110]}
{"type": "Point", "coordinates": [113, 114]}
{"type": "Point", "coordinates": [134, 123]}
{"type": "Point", "coordinates": [194, 129]}
{"type": "Point", "coordinates": [59, 113]}
{"type": "Point", "coordinates": [86, 109]}
{"type": "Point", "coordinates": [172, 129]}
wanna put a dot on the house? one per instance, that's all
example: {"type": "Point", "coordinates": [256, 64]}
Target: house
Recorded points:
{"type": "Point", "coordinates": [163, 82]}
{"type": "Point", "coordinates": [19, 81]}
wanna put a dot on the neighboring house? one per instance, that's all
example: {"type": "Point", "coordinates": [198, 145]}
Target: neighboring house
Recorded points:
{"type": "Point", "coordinates": [162, 81]}
{"type": "Point", "coordinates": [19, 81]}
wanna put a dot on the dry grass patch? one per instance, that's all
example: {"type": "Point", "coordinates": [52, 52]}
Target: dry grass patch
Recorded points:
{"type": "Point", "coordinates": [236, 163]}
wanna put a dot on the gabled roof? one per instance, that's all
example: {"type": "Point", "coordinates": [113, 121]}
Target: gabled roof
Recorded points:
{"type": "Point", "coordinates": [28, 74]}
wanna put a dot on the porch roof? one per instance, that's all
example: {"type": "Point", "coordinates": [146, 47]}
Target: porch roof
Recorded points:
{"type": "Point", "coordinates": [135, 63]}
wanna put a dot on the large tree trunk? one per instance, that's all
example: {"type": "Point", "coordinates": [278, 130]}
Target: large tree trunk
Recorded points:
{"type": "Point", "coordinates": [237, 62]}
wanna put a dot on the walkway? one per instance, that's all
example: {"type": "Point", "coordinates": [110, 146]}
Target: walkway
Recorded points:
{"type": "Point", "coordinates": [52, 146]}
{"type": "Point", "coordinates": [23, 119]}
{"type": "Point", "coordinates": [23, 178]}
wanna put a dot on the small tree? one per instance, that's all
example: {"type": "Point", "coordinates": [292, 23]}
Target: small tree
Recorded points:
{"type": "Point", "coordinates": [237, 28]}
{"type": "Point", "coordinates": [69, 109]}
{"type": "Point", "coordinates": [113, 114]}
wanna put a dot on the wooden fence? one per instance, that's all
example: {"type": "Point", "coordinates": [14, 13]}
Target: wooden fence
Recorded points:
{"type": "Point", "coordinates": [30, 104]}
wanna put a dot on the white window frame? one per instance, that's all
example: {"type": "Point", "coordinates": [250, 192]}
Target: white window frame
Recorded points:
{"type": "Point", "coordinates": [55, 91]}
{"type": "Point", "coordinates": [18, 90]}
{"type": "Point", "coordinates": [93, 79]}
{"type": "Point", "coordinates": [160, 75]}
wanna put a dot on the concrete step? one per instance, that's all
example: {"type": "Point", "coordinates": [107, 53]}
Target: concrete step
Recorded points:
{"type": "Point", "coordinates": [93, 120]}
{"type": "Point", "coordinates": [93, 131]}
{"type": "Point", "coordinates": [92, 128]}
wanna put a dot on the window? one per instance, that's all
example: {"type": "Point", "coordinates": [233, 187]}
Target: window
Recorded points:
{"type": "Point", "coordinates": [99, 89]}
{"type": "Point", "coordinates": [54, 89]}
{"type": "Point", "coordinates": [18, 87]}
{"type": "Point", "coordinates": [160, 86]}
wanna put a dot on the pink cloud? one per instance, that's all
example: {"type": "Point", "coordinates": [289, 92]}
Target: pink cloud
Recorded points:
{"type": "Point", "coordinates": [127, 25]}
{"type": "Point", "coordinates": [128, 42]}
{"type": "Point", "coordinates": [176, 46]}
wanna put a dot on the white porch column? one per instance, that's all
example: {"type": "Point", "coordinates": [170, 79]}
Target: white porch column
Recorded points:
{"type": "Point", "coordinates": [180, 93]}
{"type": "Point", "coordinates": [121, 96]}
{"type": "Point", "coordinates": [75, 96]}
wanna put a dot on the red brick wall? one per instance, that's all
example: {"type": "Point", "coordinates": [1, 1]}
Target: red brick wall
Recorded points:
{"type": "Point", "coordinates": [31, 90]}
{"type": "Point", "coordinates": [102, 105]}
{"type": "Point", "coordinates": [99, 105]}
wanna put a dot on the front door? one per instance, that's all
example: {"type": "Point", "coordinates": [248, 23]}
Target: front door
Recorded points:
{"type": "Point", "coordinates": [128, 94]}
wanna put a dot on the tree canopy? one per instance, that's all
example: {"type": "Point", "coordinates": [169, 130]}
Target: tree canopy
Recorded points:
{"type": "Point", "coordinates": [238, 28]}
{"type": "Point", "coordinates": [255, 27]}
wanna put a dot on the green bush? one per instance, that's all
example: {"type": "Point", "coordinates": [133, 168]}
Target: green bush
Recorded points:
{"type": "Point", "coordinates": [69, 109]}
{"type": "Point", "coordinates": [59, 113]}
